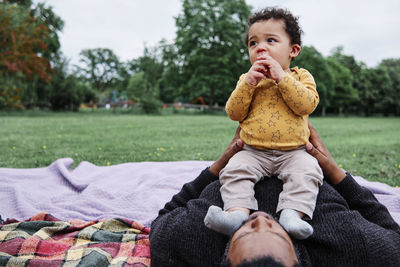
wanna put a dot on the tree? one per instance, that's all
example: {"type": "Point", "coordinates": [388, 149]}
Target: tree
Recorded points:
{"type": "Point", "coordinates": [367, 93]}
{"type": "Point", "coordinates": [392, 67]}
{"type": "Point", "coordinates": [347, 61]}
{"type": "Point", "coordinates": [23, 3]}
{"type": "Point", "coordinates": [99, 68]}
{"type": "Point", "coordinates": [136, 87]}
{"type": "Point", "coordinates": [45, 15]}
{"type": "Point", "coordinates": [385, 95]}
{"type": "Point", "coordinates": [22, 37]}
{"type": "Point", "coordinates": [151, 67]}
{"type": "Point", "coordinates": [39, 91]}
{"type": "Point", "coordinates": [210, 41]}
{"type": "Point", "coordinates": [358, 70]}
{"type": "Point", "coordinates": [21, 49]}
{"type": "Point", "coordinates": [344, 92]}
{"type": "Point", "coordinates": [65, 91]}
{"type": "Point", "coordinates": [137, 90]}
{"type": "Point", "coordinates": [143, 86]}
{"type": "Point", "coordinates": [316, 64]}
{"type": "Point", "coordinates": [171, 81]}
{"type": "Point", "coordinates": [125, 72]}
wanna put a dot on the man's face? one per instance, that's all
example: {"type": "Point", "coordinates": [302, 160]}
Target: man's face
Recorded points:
{"type": "Point", "coordinates": [261, 236]}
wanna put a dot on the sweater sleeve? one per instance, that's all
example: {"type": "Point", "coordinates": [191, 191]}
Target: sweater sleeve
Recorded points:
{"type": "Point", "coordinates": [189, 191]}
{"type": "Point", "coordinates": [239, 102]}
{"type": "Point", "coordinates": [300, 95]}
{"type": "Point", "coordinates": [361, 199]}
{"type": "Point", "coordinates": [178, 232]}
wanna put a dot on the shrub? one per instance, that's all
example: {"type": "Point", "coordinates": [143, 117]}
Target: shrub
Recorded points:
{"type": "Point", "coordinates": [150, 104]}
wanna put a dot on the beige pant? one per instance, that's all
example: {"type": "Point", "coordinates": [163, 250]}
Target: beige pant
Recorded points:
{"type": "Point", "coordinates": [298, 170]}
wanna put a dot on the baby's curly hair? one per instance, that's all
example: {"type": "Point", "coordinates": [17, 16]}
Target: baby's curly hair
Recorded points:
{"type": "Point", "coordinates": [292, 26]}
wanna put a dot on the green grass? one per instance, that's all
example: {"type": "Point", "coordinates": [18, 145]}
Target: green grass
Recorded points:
{"type": "Point", "coordinates": [369, 147]}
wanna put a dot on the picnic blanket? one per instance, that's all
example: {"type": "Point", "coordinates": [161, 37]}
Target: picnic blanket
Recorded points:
{"type": "Point", "coordinates": [136, 191]}
{"type": "Point", "coordinates": [44, 240]}
{"type": "Point", "coordinates": [76, 217]}
{"type": "Point", "coordinates": [132, 190]}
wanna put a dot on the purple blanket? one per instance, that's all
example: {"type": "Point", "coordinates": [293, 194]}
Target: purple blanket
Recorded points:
{"type": "Point", "coordinates": [131, 190]}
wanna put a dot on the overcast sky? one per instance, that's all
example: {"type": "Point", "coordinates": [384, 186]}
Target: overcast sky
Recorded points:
{"type": "Point", "coordinates": [368, 29]}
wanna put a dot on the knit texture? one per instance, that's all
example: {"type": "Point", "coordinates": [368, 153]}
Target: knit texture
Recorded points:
{"type": "Point", "coordinates": [351, 228]}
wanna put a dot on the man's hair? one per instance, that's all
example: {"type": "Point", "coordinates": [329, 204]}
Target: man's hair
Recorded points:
{"type": "Point", "coordinates": [292, 26]}
{"type": "Point", "coordinates": [259, 262]}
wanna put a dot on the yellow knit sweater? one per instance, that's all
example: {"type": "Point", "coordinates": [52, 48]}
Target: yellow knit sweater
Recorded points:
{"type": "Point", "coordinates": [274, 115]}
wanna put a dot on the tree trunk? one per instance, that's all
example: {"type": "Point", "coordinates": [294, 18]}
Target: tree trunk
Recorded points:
{"type": "Point", "coordinates": [340, 111]}
{"type": "Point", "coordinates": [211, 100]}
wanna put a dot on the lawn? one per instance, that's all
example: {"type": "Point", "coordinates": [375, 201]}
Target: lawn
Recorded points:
{"type": "Point", "coordinates": [369, 147]}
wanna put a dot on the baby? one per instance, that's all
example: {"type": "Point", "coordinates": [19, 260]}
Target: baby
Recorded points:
{"type": "Point", "coordinates": [272, 102]}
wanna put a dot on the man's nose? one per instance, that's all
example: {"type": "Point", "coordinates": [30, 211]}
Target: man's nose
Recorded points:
{"type": "Point", "coordinates": [261, 224]}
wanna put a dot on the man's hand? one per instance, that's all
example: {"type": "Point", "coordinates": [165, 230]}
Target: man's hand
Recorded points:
{"type": "Point", "coordinates": [332, 173]}
{"type": "Point", "coordinates": [234, 146]}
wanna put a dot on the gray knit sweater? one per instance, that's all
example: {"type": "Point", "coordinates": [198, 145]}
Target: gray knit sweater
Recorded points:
{"type": "Point", "coordinates": [351, 228]}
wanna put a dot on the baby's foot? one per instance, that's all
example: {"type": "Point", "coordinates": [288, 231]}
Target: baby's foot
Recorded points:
{"type": "Point", "coordinates": [294, 225]}
{"type": "Point", "coordinates": [224, 222]}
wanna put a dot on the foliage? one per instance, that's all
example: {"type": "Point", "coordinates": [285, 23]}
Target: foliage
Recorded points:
{"type": "Point", "coordinates": [344, 92]}
{"type": "Point", "coordinates": [45, 15]}
{"type": "Point", "coordinates": [65, 91]}
{"type": "Point", "coordinates": [99, 68]}
{"type": "Point", "coordinates": [136, 87]}
{"type": "Point", "coordinates": [392, 68]}
{"type": "Point", "coordinates": [11, 92]}
{"type": "Point", "coordinates": [171, 81]}
{"type": "Point", "coordinates": [29, 45]}
{"type": "Point", "coordinates": [150, 66]}
{"type": "Point", "coordinates": [138, 91]}
{"type": "Point", "coordinates": [209, 39]}
{"type": "Point", "coordinates": [144, 84]}
{"type": "Point", "coordinates": [205, 59]}
{"type": "Point", "coordinates": [22, 38]}
{"type": "Point", "coordinates": [384, 98]}
{"type": "Point", "coordinates": [150, 103]}
{"type": "Point", "coordinates": [315, 63]}
{"type": "Point", "coordinates": [25, 3]}
{"type": "Point", "coordinates": [38, 91]}
{"type": "Point", "coordinates": [125, 72]}
{"type": "Point", "coordinates": [367, 92]}
{"type": "Point", "coordinates": [377, 87]}
{"type": "Point", "coordinates": [67, 96]}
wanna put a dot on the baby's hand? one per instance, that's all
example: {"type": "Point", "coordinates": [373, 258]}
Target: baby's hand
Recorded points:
{"type": "Point", "coordinates": [256, 73]}
{"type": "Point", "coordinates": [274, 69]}
{"type": "Point", "coordinates": [265, 66]}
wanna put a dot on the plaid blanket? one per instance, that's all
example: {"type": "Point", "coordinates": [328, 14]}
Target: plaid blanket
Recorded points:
{"type": "Point", "coordinates": [43, 240]}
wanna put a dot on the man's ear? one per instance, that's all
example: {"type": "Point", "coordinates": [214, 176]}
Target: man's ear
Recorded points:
{"type": "Point", "coordinates": [295, 51]}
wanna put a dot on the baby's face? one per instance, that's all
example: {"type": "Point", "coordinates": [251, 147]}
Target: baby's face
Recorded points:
{"type": "Point", "coordinates": [262, 53]}
{"type": "Point", "coordinates": [269, 37]}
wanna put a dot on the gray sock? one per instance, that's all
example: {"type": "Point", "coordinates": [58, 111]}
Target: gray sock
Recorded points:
{"type": "Point", "coordinates": [294, 225]}
{"type": "Point", "coordinates": [224, 222]}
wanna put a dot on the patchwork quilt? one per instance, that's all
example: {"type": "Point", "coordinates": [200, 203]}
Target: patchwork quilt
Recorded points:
{"type": "Point", "coordinates": [43, 240]}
